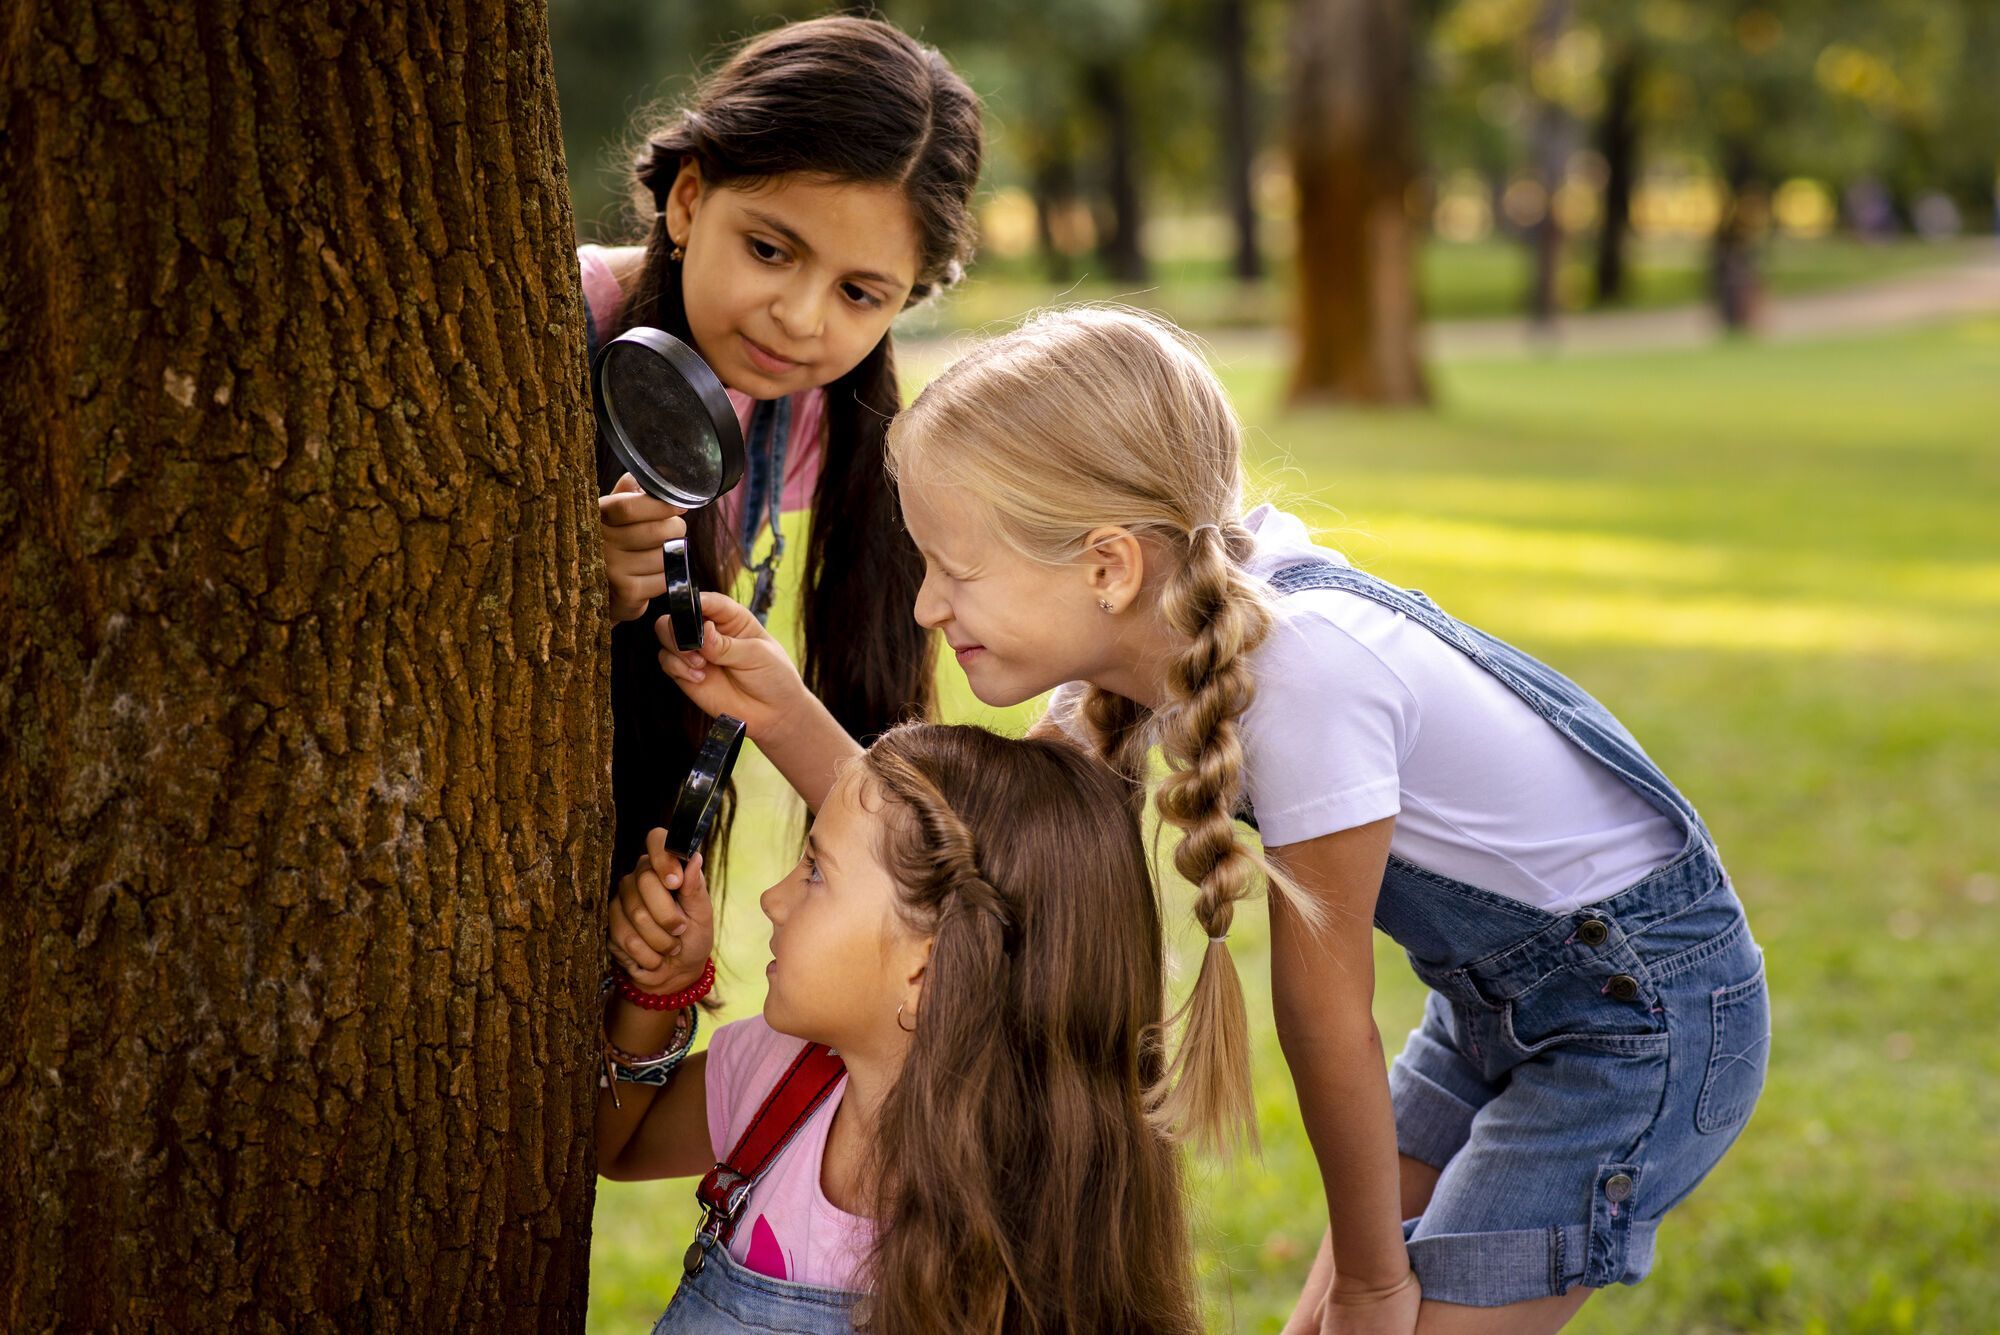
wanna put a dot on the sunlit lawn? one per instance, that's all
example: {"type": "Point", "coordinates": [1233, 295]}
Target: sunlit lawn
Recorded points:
{"type": "Point", "coordinates": [1781, 566]}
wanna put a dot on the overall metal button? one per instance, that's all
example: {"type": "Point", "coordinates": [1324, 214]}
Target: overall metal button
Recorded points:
{"type": "Point", "coordinates": [1593, 932]}
{"type": "Point", "coordinates": [1623, 986]}
{"type": "Point", "coordinates": [1617, 1188]}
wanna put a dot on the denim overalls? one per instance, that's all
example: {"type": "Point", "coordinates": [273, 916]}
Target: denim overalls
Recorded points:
{"type": "Point", "coordinates": [726, 1296]}
{"type": "Point", "coordinates": [1575, 1074]}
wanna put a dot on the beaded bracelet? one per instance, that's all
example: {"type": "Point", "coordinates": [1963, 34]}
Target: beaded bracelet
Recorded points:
{"type": "Point", "coordinates": [656, 1070]}
{"type": "Point", "coordinates": [669, 1001]}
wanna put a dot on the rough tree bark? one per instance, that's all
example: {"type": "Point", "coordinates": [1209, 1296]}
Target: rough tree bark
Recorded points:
{"type": "Point", "coordinates": [1354, 155]}
{"type": "Point", "coordinates": [305, 762]}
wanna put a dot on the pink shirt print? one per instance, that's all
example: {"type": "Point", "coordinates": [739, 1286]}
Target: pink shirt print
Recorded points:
{"type": "Point", "coordinates": [789, 1229]}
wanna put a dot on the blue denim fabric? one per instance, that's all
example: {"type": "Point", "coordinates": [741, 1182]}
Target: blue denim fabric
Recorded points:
{"type": "Point", "coordinates": [725, 1296]}
{"type": "Point", "coordinates": [1576, 1074]}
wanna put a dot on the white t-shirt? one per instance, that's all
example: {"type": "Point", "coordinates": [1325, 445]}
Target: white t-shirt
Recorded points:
{"type": "Point", "coordinates": [1360, 713]}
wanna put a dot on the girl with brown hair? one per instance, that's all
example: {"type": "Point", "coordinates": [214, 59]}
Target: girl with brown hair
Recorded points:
{"type": "Point", "coordinates": [809, 190]}
{"type": "Point", "coordinates": [972, 933]}
{"type": "Point", "coordinates": [1598, 1025]}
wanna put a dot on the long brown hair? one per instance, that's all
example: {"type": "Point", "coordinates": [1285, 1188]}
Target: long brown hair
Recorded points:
{"type": "Point", "coordinates": [1022, 1185]}
{"type": "Point", "coordinates": [845, 99]}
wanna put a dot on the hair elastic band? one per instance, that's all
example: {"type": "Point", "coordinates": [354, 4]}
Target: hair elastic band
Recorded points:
{"type": "Point", "coordinates": [1199, 527]}
{"type": "Point", "coordinates": [1222, 940]}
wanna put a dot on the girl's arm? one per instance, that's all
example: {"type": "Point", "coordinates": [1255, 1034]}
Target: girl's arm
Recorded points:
{"type": "Point", "coordinates": [662, 927]}
{"type": "Point", "coordinates": [1323, 992]}
{"type": "Point", "coordinates": [653, 1132]}
{"type": "Point", "coordinates": [742, 670]}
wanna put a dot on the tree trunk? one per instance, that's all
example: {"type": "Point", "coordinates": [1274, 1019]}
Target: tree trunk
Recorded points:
{"type": "Point", "coordinates": [1353, 143]}
{"type": "Point", "coordinates": [1121, 247]}
{"type": "Point", "coordinates": [1054, 186]}
{"type": "Point", "coordinates": [1239, 135]}
{"type": "Point", "coordinates": [1618, 141]}
{"type": "Point", "coordinates": [1733, 276]}
{"type": "Point", "coordinates": [1550, 134]}
{"type": "Point", "coordinates": [304, 777]}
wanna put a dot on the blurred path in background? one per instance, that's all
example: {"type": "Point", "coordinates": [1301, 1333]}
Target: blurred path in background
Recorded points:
{"type": "Point", "coordinates": [1908, 299]}
{"type": "Point", "coordinates": [1970, 288]}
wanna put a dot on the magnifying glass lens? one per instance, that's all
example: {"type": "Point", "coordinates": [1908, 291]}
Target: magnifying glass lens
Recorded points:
{"type": "Point", "coordinates": [667, 417]}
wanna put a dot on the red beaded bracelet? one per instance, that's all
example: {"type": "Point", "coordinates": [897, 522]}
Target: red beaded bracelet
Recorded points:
{"type": "Point", "coordinates": [669, 1001]}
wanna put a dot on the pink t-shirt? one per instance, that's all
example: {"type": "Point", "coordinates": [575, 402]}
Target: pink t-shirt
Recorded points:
{"type": "Point", "coordinates": [789, 1229]}
{"type": "Point", "coordinates": [808, 437]}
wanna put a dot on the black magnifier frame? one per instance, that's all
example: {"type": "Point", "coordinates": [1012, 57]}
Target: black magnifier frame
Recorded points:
{"type": "Point", "coordinates": [700, 796]}
{"type": "Point", "coordinates": [693, 401]}
{"type": "Point", "coordinates": [683, 595]}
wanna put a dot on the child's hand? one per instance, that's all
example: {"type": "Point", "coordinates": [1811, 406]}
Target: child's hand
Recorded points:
{"type": "Point", "coordinates": [635, 525]}
{"type": "Point", "coordinates": [662, 923]}
{"type": "Point", "coordinates": [739, 669]}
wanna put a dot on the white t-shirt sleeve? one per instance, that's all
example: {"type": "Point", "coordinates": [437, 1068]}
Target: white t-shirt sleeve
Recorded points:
{"type": "Point", "coordinates": [1326, 733]}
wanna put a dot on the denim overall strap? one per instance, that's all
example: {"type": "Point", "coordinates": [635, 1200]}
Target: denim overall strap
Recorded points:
{"type": "Point", "coordinates": [1567, 707]}
{"type": "Point", "coordinates": [764, 496]}
{"type": "Point", "coordinates": [800, 1092]}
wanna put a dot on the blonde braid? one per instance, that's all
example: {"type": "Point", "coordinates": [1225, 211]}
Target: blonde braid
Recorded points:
{"type": "Point", "coordinates": [1223, 612]}
{"type": "Point", "coordinates": [1116, 730]}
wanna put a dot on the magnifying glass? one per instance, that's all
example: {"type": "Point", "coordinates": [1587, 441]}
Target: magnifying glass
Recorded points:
{"type": "Point", "coordinates": [700, 796]}
{"type": "Point", "coordinates": [669, 421]}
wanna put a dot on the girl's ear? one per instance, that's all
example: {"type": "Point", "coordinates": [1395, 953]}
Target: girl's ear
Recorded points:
{"type": "Point", "coordinates": [1114, 564]}
{"type": "Point", "coordinates": [683, 199]}
{"type": "Point", "coordinates": [916, 963]}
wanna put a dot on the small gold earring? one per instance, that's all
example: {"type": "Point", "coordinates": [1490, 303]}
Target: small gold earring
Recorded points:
{"type": "Point", "coordinates": [908, 1029]}
{"type": "Point", "coordinates": [1104, 603]}
{"type": "Point", "coordinates": [677, 254]}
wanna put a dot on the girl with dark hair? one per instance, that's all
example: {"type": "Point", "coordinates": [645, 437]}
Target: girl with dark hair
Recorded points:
{"type": "Point", "coordinates": [814, 186]}
{"type": "Point", "coordinates": [967, 984]}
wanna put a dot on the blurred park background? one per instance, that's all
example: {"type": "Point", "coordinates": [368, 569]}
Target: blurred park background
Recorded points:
{"type": "Point", "coordinates": [1662, 338]}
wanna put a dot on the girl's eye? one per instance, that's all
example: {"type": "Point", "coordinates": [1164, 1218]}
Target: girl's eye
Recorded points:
{"type": "Point", "coordinates": [861, 296]}
{"type": "Point", "coordinates": [812, 870]}
{"type": "Point", "coordinates": [765, 251]}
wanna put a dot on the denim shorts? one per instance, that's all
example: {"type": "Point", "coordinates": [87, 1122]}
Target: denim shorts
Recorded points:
{"type": "Point", "coordinates": [1575, 1075]}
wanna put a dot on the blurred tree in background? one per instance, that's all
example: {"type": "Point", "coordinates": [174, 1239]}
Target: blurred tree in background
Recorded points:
{"type": "Point", "coordinates": [1197, 145]}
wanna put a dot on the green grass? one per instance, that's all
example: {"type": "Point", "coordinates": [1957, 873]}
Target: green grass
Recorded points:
{"type": "Point", "coordinates": [1781, 566]}
{"type": "Point", "coordinates": [1482, 279]}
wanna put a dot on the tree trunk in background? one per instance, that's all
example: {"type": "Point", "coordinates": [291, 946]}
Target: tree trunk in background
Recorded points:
{"type": "Point", "coordinates": [1550, 149]}
{"type": "Point", "coordinates": [1054, 185]}
{"type": "Point", "coordinates": [1121, 243]}
{"type": "Point", "coordinates": [304, 778]}
{"type": "Point", "coordinates": [1239, 135]}
{"type": "Point", "coordinates": [1734, 279]}
{"type": "Point", "coordinates": [1618, 141]}
{"type": "Point", "coordinates": [1353, 143]}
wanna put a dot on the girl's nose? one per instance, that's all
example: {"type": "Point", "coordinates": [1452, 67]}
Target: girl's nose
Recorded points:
{"type": "Point", "coordinates": [772, 902]}
{"type": "Point", "coordinates": [931, 611]}
{"type": "Point", "coordinates": [799, 309]}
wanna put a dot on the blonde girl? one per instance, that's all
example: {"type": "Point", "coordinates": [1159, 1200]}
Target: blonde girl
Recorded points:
{"type": "Point", "coordinates": [1597, 1026]}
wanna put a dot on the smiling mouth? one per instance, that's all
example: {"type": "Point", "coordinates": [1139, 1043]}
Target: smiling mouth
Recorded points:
{"type": "Point", "coordinates": [965, 651]}
{"type": "Point", "coordinates": [767, 360]}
